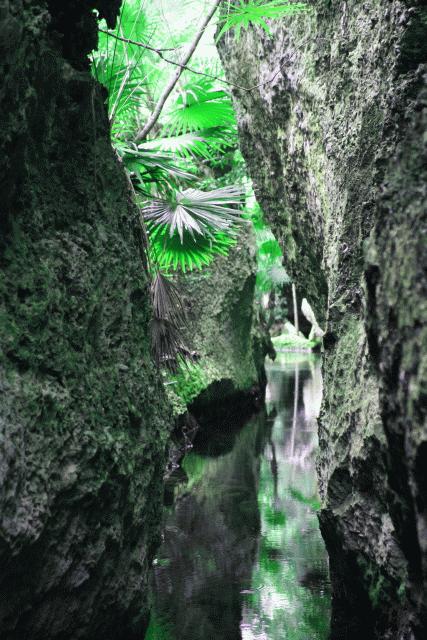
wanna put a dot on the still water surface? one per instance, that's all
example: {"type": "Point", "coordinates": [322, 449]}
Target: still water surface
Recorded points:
{"type": "Point", "coordinates": [242, 557]}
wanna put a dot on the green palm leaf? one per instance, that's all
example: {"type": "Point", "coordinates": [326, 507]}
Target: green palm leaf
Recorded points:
{"type": "Point", "coordinates": [200, 115]}
{"type": "Point", "coordinates": [243, 14]}
{"type": "Point", "coordinates": [199, 105]}
{"type": "Point", "coordinates": [150, 166]}
{"type": "Point", "coordinates": [206, 143]}
{"type": "Point", "coordinates": [188, 253]}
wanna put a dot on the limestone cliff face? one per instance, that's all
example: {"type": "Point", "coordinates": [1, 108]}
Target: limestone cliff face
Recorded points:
{"type": "Point", "coordinates": [83, 427]}
{"type": "Point", "coordinates": [222, 314]}
{"type": "Point", "coordinates": [335, 139]}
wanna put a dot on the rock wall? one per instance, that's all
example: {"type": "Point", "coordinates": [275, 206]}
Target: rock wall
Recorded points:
{"type": "Point", "coordinates": [223, 326]}
{"type": "Point", "coordinates": [333, 129]}
{"type": "Point", "coordinates": [83, 423]}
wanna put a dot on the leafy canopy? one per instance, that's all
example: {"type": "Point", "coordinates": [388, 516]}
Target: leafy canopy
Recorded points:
{"type": "Point", "coordinates": [189, 213]}
{"type": "Point", "coordinates": [243, 14]}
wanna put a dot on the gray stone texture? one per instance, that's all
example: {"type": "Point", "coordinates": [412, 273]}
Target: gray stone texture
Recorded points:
{"type": "Point", "coordinates": [222, 314]}
{"type": "Point", "coordinates": [83, 419]}
{"type": "Point", "coordinates": [335, 139]}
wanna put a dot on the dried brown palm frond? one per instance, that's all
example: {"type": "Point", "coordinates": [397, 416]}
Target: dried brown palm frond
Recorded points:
{"type": "Point", "coordinates": [168, 324]}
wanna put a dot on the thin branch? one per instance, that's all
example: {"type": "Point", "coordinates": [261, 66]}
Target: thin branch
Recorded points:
{"type": "Point", "coordinates": [176, 64]}
{"type": "Point", "coordinates": [143, 132]}
{"type": "Point", "coordinates": [184, 67]}
{"type": "Point", "coordinates": [138, 44]}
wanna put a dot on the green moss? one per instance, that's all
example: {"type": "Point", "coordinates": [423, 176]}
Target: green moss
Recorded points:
{"type": "Point", "coordinates": [185, 385]}
{"type": "Point", "coordinates": [294, 342]}
{"type": "Point", "coordinates": [221, 329]}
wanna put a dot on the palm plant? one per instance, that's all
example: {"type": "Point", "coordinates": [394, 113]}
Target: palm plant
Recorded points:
{"type": "Point", "coordinates": [191, 124]}
{"type": "Point", "coordinates": [185, 227]}
{"type": "Point", "coordinates": [172, 253]}
{"type": "Point", "coordinates": [244, 13]}
{"type": "Point", "coordinates": [199, 105]}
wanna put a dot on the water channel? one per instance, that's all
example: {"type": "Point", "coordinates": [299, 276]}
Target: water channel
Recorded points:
{"type": "Point", "coordinates": [242, 556]}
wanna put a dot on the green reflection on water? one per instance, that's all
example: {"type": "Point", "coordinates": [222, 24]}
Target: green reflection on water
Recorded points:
{"type": "Point", "coordinates": [159, 629]}
{"type": "Point", "coordinates": [280, 606]}
{"type": "Point", "coordinates": [242, 556]}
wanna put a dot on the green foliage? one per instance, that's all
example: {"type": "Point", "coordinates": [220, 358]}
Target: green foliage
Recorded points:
{"type": "Point", "coordinates": [195, 468]}
{"type": "Point", "coordinates": [188, 381]}
{"type": "Point", "coordinates": [200, 105]}
{"type": "Point", "coordinates": [148, 168]}
{"type": "Point", "coordinates": [208, 144]}
{"type": "Point", "coordinates": [198, 122]}
{"type": "Point", "coordinates": [172, 252]}
{"type": "Point", "coordinates": [312, 501]}
{"type": "Point", "coordinates": [190, 213]}
{"type": "Point", "coordinates": [244, 13]}
{"type": "Point", "coordinates": [124, 69]}
{"type": "Point", "coordinates": [187, 229]}
{"type": "Point", "coordinates": [197, 212]}
{"type": "Point", "coordinates": [271, 274]}
{"type": "Point", "coordinates": [292, 341]}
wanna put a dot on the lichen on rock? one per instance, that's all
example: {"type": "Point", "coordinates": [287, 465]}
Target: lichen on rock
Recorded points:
{"type": "Point", "coordinates": [334, 136]}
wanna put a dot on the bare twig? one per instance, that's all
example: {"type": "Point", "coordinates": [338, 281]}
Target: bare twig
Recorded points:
{"type": "Point", "coordinates": [138, 44]}
{"type": "Point", "coordinates": [184, 67]}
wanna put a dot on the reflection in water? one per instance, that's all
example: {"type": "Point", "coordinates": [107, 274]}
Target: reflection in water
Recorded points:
{"type": "Point", "coordinates": [242, 556]}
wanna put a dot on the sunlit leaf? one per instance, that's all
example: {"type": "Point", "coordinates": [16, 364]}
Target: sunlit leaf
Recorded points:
{"type": "Point", "coordinates": [255, 12]}
{"type": "Point", "coordinates": [172, 253]}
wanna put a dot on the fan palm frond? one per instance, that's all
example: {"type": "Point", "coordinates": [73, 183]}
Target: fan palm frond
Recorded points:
{"type": "Point", "coordinates": [201, 212]}
{"type": "Point", "coordinates": [167, 303]}
{"type": "Point", "coordinates": [126, 82]}
{"type": "Point", "coordinates": [149, 165]}
{"type": "Point", "coordinates": [168, 324]}
{"type": "Point", "coordinates": [166, 344]}
{"type": "Point", "coordinates": [199, 105]}
{"type": "Point", "coordinates": [172, 253]}
{"type": "Point", "coordinates": [205, 143]}
{"type": "Point", "coordinates": [200, 115]}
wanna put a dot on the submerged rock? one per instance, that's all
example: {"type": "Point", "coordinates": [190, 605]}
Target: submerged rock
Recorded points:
{"type": "Point", "coordinates": [334, 136]}
{"type": "Point", "coordinates": [83, 417]}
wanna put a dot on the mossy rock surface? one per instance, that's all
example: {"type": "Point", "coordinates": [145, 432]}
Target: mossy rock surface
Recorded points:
{"type": "Point", "coordinates": [84, 421]}
{"type": "Point", "coordinates": [223, 329]}
{"type": "Point", "coordinates": [334, 137]}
